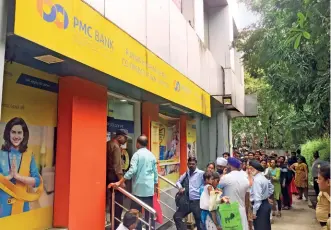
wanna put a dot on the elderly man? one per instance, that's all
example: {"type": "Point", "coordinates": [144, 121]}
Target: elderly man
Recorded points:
{"type": "Point", "coordinates": [235, 186]}
{"type": "Point", "coordinates": [261, 190]}
{"type": "Point", "coordinates": [221, 164]}
{"type": "Point", "coordinates": [114, 169]}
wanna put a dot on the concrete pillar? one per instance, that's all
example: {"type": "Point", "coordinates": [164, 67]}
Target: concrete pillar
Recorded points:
{"type": "Point", "coordinates": [183, 144]}
{"type": "Point", "coordinates": [80, 181]}
{"type": "Point", "coordinates": [203, 145]}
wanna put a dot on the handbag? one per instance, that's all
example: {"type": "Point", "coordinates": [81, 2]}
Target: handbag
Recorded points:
{"type": "Point", "coordinates": [182, 199]}
{"type": "Point", "coordinates": [214, 200]}
{"type": "Point", "coordinates": [230, 216]}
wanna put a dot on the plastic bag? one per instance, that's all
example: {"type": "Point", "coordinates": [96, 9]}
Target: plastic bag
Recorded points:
{"type": "Point", "coordinates": [157, 208]}
{"type": "Point", "coordinates": [230, 216]}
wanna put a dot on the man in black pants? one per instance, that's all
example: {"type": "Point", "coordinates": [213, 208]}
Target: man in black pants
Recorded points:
{"type": "Point", "coordinates": [260, 191]}
{"type": "Point", "coordinates": [189, 190]}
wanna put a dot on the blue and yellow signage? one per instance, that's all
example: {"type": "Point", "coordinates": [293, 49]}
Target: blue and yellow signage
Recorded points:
{"type": "Point", "coordinates": [72, 28]}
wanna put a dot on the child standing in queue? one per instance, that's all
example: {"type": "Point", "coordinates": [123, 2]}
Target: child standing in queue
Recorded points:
{"type": "Point", "coordinates": [209, 218]}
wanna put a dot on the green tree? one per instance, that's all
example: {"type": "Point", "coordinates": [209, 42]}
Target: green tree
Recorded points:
{"type": "Point", "coordinates": [272, 128]}
{"type": "Point", "coordinates": [289, 49]}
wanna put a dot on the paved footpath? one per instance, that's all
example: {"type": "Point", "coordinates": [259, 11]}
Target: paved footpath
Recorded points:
{"type": "Point", "coordinates": [300, 217]}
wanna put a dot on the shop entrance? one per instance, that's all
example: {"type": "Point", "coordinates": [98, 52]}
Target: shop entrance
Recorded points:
{"type": "Point", "coordinates": [122, 114]}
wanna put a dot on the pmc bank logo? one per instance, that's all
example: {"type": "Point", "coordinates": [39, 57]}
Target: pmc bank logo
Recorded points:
{"type": "Point", "coordinates": [176, 86]}
{"type": "Point", "coordinates": [55, 13]}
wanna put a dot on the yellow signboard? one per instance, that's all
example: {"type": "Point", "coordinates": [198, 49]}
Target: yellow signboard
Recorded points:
{"type": "Point", "coordinates": [72, 28]}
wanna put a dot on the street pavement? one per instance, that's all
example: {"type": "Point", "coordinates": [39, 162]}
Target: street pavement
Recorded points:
{"type": "Point", "coordinates": [300, 217]}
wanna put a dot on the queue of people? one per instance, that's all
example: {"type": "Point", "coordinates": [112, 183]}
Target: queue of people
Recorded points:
{"type": "Point", "coordinates": [261, 185]}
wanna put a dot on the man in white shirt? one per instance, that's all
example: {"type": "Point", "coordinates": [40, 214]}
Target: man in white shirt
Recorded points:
{"type": "Point", "coordinates": [235, 185]}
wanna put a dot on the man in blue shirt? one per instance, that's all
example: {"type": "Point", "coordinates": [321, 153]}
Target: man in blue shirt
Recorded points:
{"type": "Point", "coordinates": [194, 177]}
{"type": "Point", "coordinates": [143, 172]}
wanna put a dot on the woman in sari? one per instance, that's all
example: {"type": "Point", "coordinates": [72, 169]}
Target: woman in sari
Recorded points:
{"type": "Point", "coordinates": [18, 170]}
{"type": "Point", "coordinates": [301, 177]}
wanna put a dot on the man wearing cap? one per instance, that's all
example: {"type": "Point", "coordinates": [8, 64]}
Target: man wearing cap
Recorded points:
{"type": "Point", "coordinates": [235, 186]}
{"type": "Point", "coordinates": [221, 164]}
{"type": "Point", "coordinates": [261, 190]}
{"type": "Point", "coordinates": [114, 169]}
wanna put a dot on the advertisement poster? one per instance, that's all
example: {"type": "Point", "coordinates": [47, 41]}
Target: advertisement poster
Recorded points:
{"type": "Point", "coordinates": [191, 134]}
{"type": "Point", "coordinates": [169, 141]}
{"type": "Point", "coordinates": [27, 127]}
{"type": "Point", "coordinates": [155, 142]}
{"type": "Point", "coordinates": [171, 172]}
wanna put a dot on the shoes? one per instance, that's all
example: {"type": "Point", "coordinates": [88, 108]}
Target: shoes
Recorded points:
{"type": "Point", "coordinates": [279, 214]}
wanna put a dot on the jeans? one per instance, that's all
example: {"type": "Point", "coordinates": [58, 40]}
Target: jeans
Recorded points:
{"type": "Point", "coordinates": [149, 201]}
{"type": "Point", "coordinates": [182, 212]}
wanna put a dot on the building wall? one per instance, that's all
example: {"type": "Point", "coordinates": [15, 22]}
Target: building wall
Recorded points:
{"type": "Point", "coordinates": [213, 136]}
{"type": "Point", "coordinates": [188, 11]}
{"type": "Point", "coordinates": [175, 41]}
{"type": "Point", "coordinates": [203, 144]}
{"type": "Point", "coordinates": [222, 28]}
{"type": "Point", "coordinates": [199, 19]}
{"type": "Point", "coordinates": [219, 34]}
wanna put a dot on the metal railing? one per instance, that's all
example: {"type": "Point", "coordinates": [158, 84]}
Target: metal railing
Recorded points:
{"type": "Point", "coordinates": [145, 207]}
{"type": "Point", "coordinates": [169, 195]}
{"type": "Point", "coordinates": [189, 218]}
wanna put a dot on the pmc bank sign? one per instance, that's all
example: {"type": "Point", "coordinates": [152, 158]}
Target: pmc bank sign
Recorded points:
{"type": "Point", "coordinates": [56, 14]}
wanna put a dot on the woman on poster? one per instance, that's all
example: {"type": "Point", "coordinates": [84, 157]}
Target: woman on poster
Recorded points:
{"type": "Point", "coordinates": [18, 170]}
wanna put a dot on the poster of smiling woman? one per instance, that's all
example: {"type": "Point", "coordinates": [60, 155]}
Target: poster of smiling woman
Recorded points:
{"type": "Point", "coordinates": [18, 170]}
{"type": "Point", "coordinates": [27, 140]}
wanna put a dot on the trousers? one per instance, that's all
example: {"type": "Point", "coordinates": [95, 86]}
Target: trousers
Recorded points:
{"type": "Point", "coordinates": [149, 201]}
{"type": "Point", "coordinates": [262, 221]}
{"type": "Point", "coordinates": [194, 207]}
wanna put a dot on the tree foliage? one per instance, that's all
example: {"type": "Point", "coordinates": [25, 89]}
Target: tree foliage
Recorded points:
{"type": "Point", "coordinates": [271, 128]}
{"type": "Point", "coordinates": [289, 49]}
